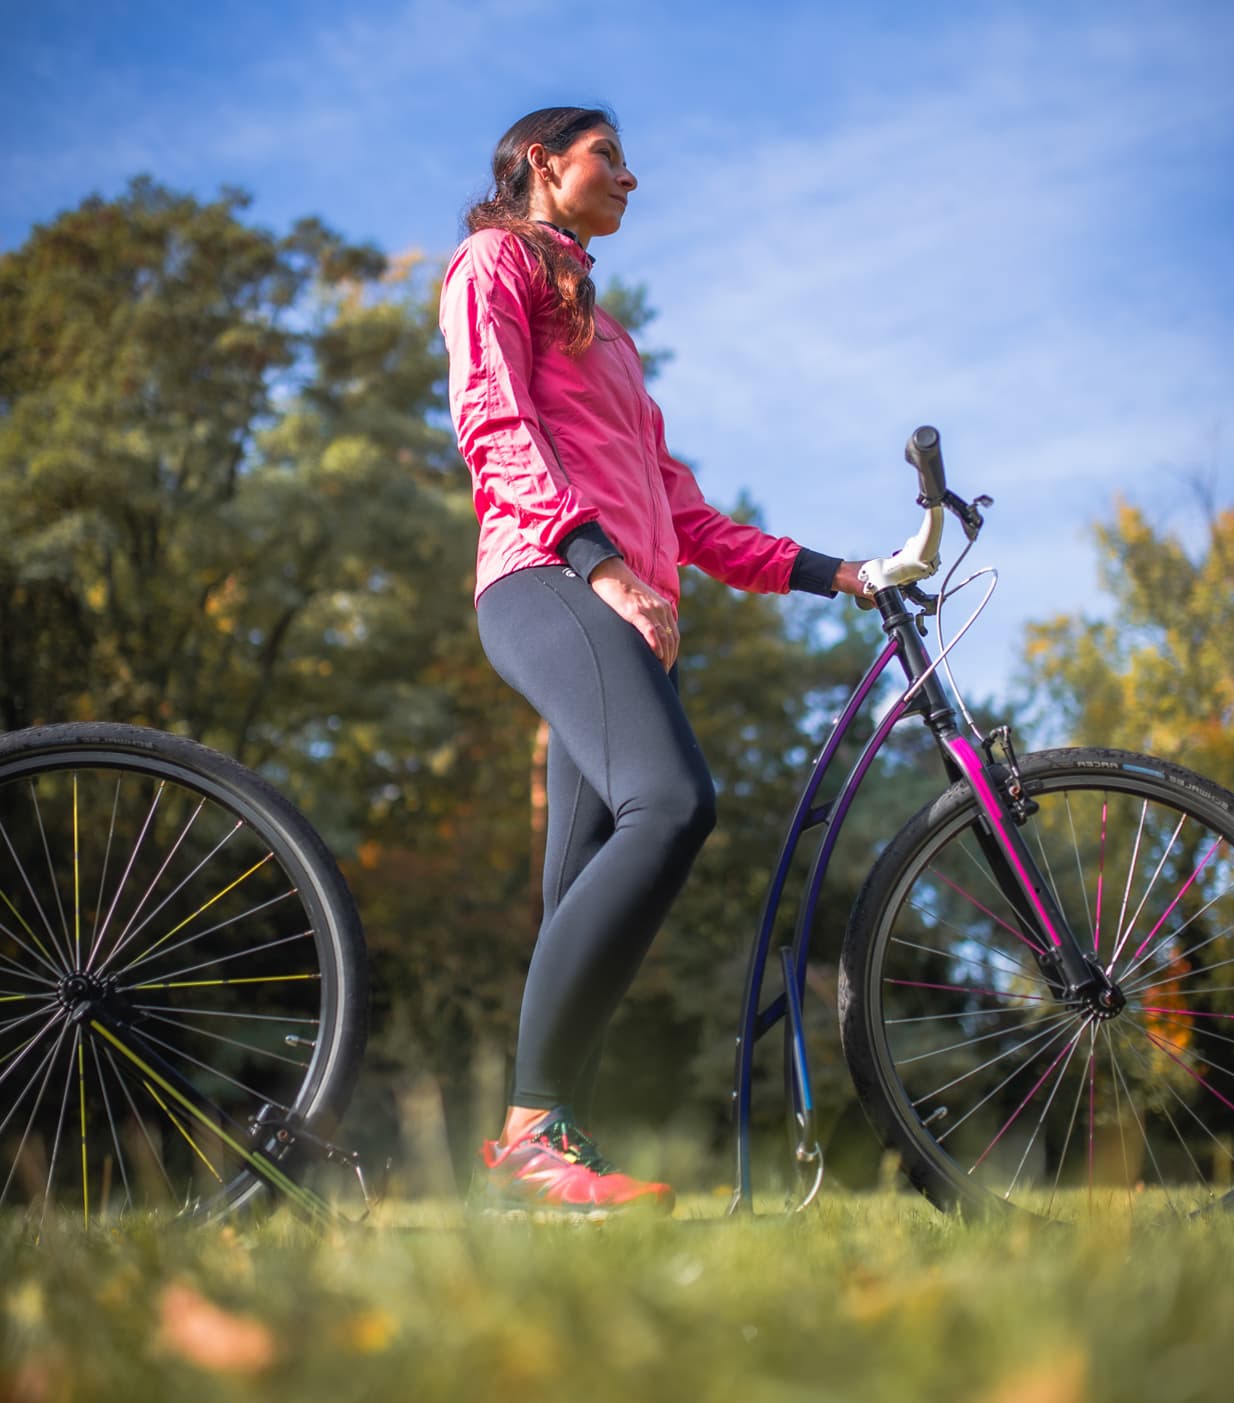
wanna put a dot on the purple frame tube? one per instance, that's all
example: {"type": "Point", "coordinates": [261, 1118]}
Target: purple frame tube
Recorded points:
{"type": "Point", "coordinates": [755, 1022]}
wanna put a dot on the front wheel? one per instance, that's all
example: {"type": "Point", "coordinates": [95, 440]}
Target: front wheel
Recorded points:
{"type": "Point", "coordinates": [989, 1084]}
{"type": "Point", "coordinates": [160, 903]}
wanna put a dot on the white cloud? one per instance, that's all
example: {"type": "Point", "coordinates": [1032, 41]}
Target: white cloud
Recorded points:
{"type": "Point", "coordinates": [990, 254]}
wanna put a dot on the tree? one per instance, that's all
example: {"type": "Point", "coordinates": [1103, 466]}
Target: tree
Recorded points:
{"type": "Point", "coordinates": [1158, 675]}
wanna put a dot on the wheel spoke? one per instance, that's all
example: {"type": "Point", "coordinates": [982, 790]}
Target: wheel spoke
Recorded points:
{"type": "Point", "coordinates": [147, 883]}
{"type": "Point", "coordinates": [61, 954]}
{"type": "Point", "coordinates": [985, 911]}
{"type": "Point", "coordinates": [183, 1056]}
{"type": "Point", "coordinates": [1186, 886]}
{"type": "Point", "coordinates": [134, 853]}
{"type": "Point", "coordinates": [1132, 864]}
{"type": "Point", "coordinates": [1045, 1110]}
{"type": "Point", "coordinates": [1038, 1035]}
{"type": "Point", "coordinates": [1002, 1085]}
{"type": "Point", "coordinates": [1010, 1121]}
{"type": "Point", "coordinates": [229, 925]}
{"type": "Point", "coordinates": [1135, 1114]}
{"type": "Point", "coordinates": [1135, 990]}
{"type": "Point", "coordinates": [128, 935]}
{"type": "Point", "coordinates": [44, 1069]}
{"type": "Point", "coordinates": [54, 962]}
{"type": "Point", "coordinates": [1148, 891]}
{"type": "Point", "coordinates": [1081, 882]}
{"type": "Point", "coordinates": [230, 1042]}
{"type": "Point", "coordinates": [993, 1085]}
{"type": "Point", "coordinates": [970, 1042]}
{"type": "Point", "coordinates": [96, 934]}
{"type": "Point", "coordinates": [951, 955]}
{"type": "Point", "coordinates": [1083, 1082]}
{"type": "Point", "coordinates": [111, 1123]}
{"type": "Point", "coordinates": [177, 975]}
{"type": "Point", "coordinates": [1194, 949]}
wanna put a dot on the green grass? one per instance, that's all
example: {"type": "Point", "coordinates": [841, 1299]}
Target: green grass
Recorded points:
{"type": "Point", "coordinates": [863, 1298]}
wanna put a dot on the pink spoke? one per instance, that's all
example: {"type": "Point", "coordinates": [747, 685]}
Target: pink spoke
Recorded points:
{"type": "Point", "coordinates": [1165, 1047]}
{"type": "Point", "coordinates": [1035, 1088]}
{"type": "Point", "coordinates": [1100, 876]}
{"type": "Point", "coordinates": [985, 911]}
{"type": "Point", "coordinates": [1177, 899]}
{"type": "Point", "coordinates": [1185, 1012]}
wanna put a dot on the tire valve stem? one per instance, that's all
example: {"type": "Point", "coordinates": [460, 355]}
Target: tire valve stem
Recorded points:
{"type": "Point", "coordinates": [293, 1041]}
{"type": "Point", "coordinates": [940, 1114]}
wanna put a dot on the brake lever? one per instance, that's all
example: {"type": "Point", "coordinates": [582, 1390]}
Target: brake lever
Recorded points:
{"type": "Point", "coordinates": [923, 599]}
{"type": "Point", "coordinates": [968, 512]}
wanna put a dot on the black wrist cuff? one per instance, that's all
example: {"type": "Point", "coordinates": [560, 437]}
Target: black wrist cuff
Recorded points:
{"type": "Point", "coordinates": [813, 572]}
{"type": "Point", "coordinates": [585, 547]}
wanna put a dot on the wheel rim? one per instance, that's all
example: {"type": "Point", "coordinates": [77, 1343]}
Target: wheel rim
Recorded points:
{"type": "Point", "coordinates": [137, 892]}
{"type": "Point", "coordinates": [1012, 1094]}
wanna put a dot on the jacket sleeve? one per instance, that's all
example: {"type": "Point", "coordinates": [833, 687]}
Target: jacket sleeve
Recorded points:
{"type": "Point", "coordinates": [735, 552]}
{"type": "Point", "coordinates": [487, 299]}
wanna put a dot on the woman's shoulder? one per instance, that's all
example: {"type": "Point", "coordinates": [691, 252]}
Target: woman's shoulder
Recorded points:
{"type": "Point", "coordinates": [489, 249]}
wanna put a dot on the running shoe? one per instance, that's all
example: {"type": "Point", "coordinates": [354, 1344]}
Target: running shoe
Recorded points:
{"type": "Point", "coordinates": [556, 1170]}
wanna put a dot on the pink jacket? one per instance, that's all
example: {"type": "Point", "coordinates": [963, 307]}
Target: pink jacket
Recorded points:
{"type": "Point", "coordinates": [554, 442]}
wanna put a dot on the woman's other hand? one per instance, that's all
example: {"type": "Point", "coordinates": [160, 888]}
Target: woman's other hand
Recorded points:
{"type": "Point", "coordinates": [622, 590]}
{"type": "Point", "coordinates": [848, 579]}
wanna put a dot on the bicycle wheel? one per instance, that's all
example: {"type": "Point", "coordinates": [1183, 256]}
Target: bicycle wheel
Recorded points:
{"type": "Point", "coordinates": [156, 894]}
{"type": "Point", "coordinates": [990, 1086]}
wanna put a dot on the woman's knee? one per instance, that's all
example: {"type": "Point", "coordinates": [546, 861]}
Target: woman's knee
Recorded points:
{"type": "Point", "coordinates": [684, 813]}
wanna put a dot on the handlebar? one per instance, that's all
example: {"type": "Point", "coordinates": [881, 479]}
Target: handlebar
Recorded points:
{"type": "Point", "coordinates": [925, 453]}
{"type": "Point", "coordinates": [917, 559]}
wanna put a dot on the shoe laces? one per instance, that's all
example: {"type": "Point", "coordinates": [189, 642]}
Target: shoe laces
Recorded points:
{"type": "Point", "coordinates": [575, 1145]}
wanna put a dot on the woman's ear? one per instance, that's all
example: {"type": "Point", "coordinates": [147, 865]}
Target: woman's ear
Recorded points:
{"type": "Point", "coordinates": [540, 162]}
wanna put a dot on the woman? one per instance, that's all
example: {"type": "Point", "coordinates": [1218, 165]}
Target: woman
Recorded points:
{"type": "Point", "coordinates": [584, 518]}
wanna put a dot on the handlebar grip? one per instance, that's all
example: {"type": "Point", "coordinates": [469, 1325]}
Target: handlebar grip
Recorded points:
{"type": "Point", "coordinates": [925, 453]}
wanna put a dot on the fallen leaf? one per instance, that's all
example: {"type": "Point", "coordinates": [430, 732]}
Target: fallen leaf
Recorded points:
{"type": "Point", "coordinates": [210, 1337]}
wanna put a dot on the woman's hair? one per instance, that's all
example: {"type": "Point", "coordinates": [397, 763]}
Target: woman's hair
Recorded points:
{"type": "Point", "coordinates": [506, 207]}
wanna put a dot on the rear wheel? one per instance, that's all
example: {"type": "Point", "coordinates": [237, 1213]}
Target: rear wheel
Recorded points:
{"type": "Point", "coordinates": [991, 1086]}
{"type": "Point", "coordinates": [157, 895]}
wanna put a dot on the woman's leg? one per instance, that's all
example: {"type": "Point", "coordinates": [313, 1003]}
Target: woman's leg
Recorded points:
{"type": "Point", "coordinates": [612, 708]}
{"type": "Point", "coordinates": [579, 824]}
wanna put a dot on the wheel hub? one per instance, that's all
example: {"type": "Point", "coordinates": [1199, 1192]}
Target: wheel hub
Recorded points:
{"type": "Point", "coordinates": [1106, 1002]}
{"type": "Point", "coordinates": [80, 988]}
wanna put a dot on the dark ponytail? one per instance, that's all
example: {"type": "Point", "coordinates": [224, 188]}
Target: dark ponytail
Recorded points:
{"type": "Point", "coordinates": [506, 207]}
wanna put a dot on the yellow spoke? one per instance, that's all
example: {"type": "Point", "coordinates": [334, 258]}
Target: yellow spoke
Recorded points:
{"type": "Point", "coordinates": [81, 1087]}
{"type": "Point", "coordinates": [262, 1166]}
{"type": "Point", "coordinates": [218, 896]}
{"type": "Point", "coordinates": [21, 1047]}
{"type": "Point", "coordinates": [204, 983]}
{"type": "Point", "coordinates": [171, 1116]}
{"type": "Point", "coordinates": [4, 896]}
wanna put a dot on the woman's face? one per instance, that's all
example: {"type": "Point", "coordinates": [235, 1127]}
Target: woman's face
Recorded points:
{"type": "Point", "coordinates": [585, 187]}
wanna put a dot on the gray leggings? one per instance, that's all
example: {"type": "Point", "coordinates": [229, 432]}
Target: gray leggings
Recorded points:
{"type": "Point", "coordinates": [630, 803]}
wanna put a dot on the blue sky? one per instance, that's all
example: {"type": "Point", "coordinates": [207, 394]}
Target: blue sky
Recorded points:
{"type": "Point", "coordinates": [1013, 220]}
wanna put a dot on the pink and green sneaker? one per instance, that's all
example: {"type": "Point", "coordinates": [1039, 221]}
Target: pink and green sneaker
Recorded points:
{"type": "Point", "coordinates": [556, 1170]}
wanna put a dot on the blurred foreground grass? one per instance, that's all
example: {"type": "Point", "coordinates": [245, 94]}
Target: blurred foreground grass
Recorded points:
{"type": "Point", "coordinates": [865, 1298]}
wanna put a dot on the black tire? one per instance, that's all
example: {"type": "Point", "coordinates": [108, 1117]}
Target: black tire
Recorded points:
{"type": "Point", "coordinates": [149, 871]}
{"type": "Point", "coordinates": [989, 1088]}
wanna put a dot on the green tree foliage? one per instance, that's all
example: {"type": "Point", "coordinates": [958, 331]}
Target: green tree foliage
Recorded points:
{"type": "Point", "coordinates": [1158, 675]}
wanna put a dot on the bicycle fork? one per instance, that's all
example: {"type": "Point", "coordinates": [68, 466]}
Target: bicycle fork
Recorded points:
{"type": "Point", "coordinates": [1075, 975]}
